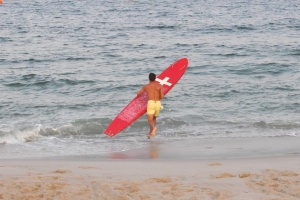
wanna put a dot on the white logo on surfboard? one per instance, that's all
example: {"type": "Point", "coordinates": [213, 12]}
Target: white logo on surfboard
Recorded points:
{"type": "Point", "coordinates": [164, 82]}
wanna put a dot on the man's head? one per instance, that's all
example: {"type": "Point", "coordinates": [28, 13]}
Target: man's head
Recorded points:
{"type": "Point", "coordinates": [152, 77]}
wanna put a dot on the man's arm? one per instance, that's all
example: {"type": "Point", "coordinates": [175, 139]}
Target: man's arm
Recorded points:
{"type": "Point", "coordinates": [161, 93]}
{"type": "Point", "coordinates": [141, 91]}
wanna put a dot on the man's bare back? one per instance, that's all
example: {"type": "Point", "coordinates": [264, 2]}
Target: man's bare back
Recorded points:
{"type": "Point", "coordinates": [154, 91]}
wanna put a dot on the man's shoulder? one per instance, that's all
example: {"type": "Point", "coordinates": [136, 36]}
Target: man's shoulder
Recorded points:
{"type": "Point", "coordinates": [158, 84]}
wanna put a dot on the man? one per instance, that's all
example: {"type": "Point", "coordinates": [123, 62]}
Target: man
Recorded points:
{"type": "Point", "coordinates": [155, 94]}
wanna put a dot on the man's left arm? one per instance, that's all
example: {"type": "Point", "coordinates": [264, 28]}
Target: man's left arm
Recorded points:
{"type": "Point", "coordinates": [141, 91]}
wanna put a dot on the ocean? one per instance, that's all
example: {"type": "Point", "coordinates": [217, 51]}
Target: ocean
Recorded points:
{"type": "Point", "coordinates": [67, 68]}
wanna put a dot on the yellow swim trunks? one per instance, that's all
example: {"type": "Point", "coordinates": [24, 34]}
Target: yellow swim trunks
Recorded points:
{"type": "Point", "coordinates": [153, 107]}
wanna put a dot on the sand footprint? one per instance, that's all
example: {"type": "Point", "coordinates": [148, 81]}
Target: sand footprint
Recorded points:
{"type": "Point", "coordinates": [60, 171]}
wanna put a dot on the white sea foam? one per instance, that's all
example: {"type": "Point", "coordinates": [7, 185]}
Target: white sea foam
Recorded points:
{"type": "Point", "coordinates": [20, 136]}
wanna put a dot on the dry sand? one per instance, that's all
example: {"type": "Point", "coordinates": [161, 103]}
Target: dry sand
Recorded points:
{"type": "Point", "coordinates": [274, 178]}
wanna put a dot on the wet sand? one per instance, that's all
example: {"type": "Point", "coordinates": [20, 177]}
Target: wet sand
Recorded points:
{"type": "Point", "coordinates": [268, 178]}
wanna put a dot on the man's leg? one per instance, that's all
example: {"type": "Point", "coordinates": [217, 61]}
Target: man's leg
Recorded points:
{"type": "Point", "coordinates": [153, 132]}
{"type": "Point", "coordinates": [152, 122]}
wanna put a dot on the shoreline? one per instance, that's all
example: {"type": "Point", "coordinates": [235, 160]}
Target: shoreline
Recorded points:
{"type": "Point", "coordinates": [186, 149]}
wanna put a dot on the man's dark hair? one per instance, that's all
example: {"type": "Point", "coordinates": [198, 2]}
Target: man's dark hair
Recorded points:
{"type": "Point", "coordinates": [152, 77]}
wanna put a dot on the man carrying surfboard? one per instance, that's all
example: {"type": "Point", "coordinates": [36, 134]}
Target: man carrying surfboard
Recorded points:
{"type": "Point", "coordinates": [155, 94]}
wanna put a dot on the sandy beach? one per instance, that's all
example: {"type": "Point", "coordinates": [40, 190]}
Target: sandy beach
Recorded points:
{"type": "Point", "coordinates": [273, 178]}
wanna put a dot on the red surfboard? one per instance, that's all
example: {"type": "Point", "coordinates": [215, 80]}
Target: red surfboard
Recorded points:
{"type": "Point", "coordinates": [138, 106]}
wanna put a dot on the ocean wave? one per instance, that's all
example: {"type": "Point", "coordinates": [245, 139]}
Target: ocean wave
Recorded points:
{"type": "Point", "coordinates": [225, 28]}
{"type": "Point", "coordinates": [261, 69]}
{"type": "Point", "coordinates": [295, 52]}
{"type": "Point", "coordinates": [264, 124]}
{"type": "Point", "coordinates": [75, 81]}
{"type": "Point", "coordinates": [33, 60]}
{"type": "Point", "coordinates": [244, 27]}
{"type": "Point", "coordinates": [46, 60]}
{"type": "Point", "coordinates": [78, 128]}
{"type": "Point", "coordinates": [294, 27]}
{"type": "Point", "coordinates": [28, 76]}
{"type": "Point", "coordinates": [229, 55]}
{"type": "Point", "coordinates": [5, 39]}
{"type": "Point", "coordinates": [36, 83]}
{"type": "Point", "coordinates": [161, 27]}
{"type": "Point", "coordinates": [78, 58]}
{"type": "Point", "coordinates": [170, 129]}
{"type": "Point", "coordinates": [276, 125]}
{"type": "Point", "coordinates": [20, 135]}
{"type": "Point", "coordinates": [34, 80]}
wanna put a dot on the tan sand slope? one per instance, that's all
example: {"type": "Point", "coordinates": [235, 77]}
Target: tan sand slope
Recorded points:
{"type": "Point", "coordinates": [267, 179]}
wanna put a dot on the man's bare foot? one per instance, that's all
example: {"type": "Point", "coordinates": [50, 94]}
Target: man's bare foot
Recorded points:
{"type": "Point", "coordinates": [153, 133]}
{"type": "Point", "coordinates": [149, 135]}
